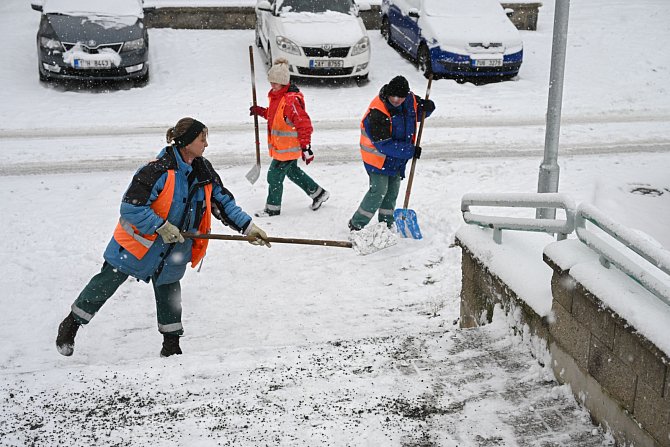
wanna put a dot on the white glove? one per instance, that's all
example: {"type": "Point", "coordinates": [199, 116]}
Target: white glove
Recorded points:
{"type": "Point", "coordinates": [170, 233]}
{"type": "Point", "coordinates": [258, 235]}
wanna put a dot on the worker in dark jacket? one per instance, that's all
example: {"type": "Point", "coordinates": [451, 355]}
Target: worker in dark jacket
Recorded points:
{"type": "Point", "coordinates": [178, 192]}
{"type": "Point", "coordinates": [387, 142]}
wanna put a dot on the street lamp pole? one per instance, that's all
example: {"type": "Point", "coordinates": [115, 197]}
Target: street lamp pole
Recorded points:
{"type": "Point", "coordinates": [549, 169]}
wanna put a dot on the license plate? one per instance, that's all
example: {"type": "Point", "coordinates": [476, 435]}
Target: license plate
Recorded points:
{"type": "Point", "coordinates": [328, 63]}
{"type": "Point", "coordinates": [94, 63]}
{"type": "Point", "coordinates": [488, 62]}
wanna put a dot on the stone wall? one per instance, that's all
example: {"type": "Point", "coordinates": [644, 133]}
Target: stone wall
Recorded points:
{"type": "Point", "coordinates": [231, 17]}
{"type": "Point", "coordinates": [524, 17]}
{"type": "Point", "coordinates": [619, 376]}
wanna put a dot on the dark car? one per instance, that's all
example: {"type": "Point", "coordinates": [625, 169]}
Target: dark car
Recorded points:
{"type": "Point", "coordinates": [92, 40]}
{"type": "Point", "coordinates": [454, 38]}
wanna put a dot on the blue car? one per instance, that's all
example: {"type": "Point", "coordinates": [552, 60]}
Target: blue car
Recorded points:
{"type": "Point", "coordinates": [454, 38]}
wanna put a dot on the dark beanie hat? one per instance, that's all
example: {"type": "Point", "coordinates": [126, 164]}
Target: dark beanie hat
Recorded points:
{"type": "Point", "coordinates": [398, 87]}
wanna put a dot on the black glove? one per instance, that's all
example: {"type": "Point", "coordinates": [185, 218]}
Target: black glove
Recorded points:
{"type": "Point", "coordinates": [417, 152]}
{"type": "Point", "coordinates": [428, 105]}
{"type": "Point", "coordinates": [307, 154]}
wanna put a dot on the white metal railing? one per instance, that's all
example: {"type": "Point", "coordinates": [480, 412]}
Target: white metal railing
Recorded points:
{"type": "Point", "coordinates": [559, 227]}
{"type": "Point", "coordinates": [658, 259]}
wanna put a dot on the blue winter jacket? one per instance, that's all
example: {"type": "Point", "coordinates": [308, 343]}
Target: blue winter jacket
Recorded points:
{"type": "Point", "coordinates": [166, 263]}
{"type": "Point", "coordinates": [395, 143]}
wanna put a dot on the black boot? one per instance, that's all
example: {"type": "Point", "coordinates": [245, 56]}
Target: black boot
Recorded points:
{"type": "Point", "coordinates": [66, 333]}
{"type": "Point", "coordinates": [319, 199]}
{"type": "Point", "coordinates": [170, 345]}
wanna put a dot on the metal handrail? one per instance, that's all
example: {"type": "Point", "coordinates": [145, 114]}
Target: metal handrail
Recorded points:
{"type": "Point", "coordinates": [559, 227]}
{"type": "Point", "coordinates": [609, 254]}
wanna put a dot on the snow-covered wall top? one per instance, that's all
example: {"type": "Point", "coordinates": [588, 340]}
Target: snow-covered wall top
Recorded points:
{"type": "Point", "coordinates": [639, 307]}
{"type": "Point", "coordinates": [517, 262]}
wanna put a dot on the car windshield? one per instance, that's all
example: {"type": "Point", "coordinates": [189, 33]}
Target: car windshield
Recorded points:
{"type": "Point", "coordinates": [343, 6]}
{"type": "Point", "coordinates": [116, 8]}
{"type": "Point", "coordinates": [460, 8]}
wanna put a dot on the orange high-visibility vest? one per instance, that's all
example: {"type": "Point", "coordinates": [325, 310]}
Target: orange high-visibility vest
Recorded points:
{"type": "Point", "coordinates": [369, 152]}
{"type": "Point", "coordinates": [283, 136]}
{"type": "Point", "coordinates": [138, 244]}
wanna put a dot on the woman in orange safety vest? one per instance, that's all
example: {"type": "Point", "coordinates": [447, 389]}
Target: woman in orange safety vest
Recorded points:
{"type": "Point", "coordinates": [178, 192]}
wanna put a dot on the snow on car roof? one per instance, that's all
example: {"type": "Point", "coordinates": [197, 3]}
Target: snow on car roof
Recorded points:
{"type": "Point", "coordinates": [459, 8]}
{"type": "Point", "coordinates": [315, 6]}
{"type": "Point", "coordinates": [96, 7]}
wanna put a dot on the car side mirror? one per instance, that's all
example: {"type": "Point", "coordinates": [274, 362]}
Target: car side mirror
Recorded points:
{"type": "Point", "coordinates": [36, 5]}
{"type": "Point", "coordinates": [509, 12]}
{"type": "Point", "coordinates": [413, 12]}
{"type": "Point", "coordinates": [264, 5]}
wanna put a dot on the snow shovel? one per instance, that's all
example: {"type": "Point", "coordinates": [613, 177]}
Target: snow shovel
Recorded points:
{"type": "Point", "coordinates": [285, 240]}
{"type": "Point", "coordinates": [255, 171]}
{"type": "Point", "coordinates": [405, 219]}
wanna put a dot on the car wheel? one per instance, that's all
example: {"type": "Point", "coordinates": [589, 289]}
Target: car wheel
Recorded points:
{"type": "Point", "coordinates": [423, 60]}
{"type": "Point", "coordinates": [362, 80]}
{"type": "Point", "coordinates": [385, 29]}
{"type": "Point", "coordinates": [142, 80]}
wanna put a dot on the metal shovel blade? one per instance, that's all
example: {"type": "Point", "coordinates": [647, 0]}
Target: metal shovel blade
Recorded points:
{"type": "Point", "coordinates": [407, 223]}
{"type": "Point", "coordinates": [253, 174]}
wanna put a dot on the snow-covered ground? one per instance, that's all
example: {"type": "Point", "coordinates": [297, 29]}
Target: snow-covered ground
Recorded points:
{"type": "Point", "coordinates": [346, 349]}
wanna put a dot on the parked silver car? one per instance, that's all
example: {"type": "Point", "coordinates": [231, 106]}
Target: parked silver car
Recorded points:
{"type": "Point", "coordinates": [319, 38]}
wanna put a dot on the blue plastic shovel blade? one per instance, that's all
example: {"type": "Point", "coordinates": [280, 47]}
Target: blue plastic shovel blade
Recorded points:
{"type": "Point", "coordinates": [406, 223]}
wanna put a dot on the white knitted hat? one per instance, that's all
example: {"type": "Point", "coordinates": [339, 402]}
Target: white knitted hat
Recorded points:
{"type": "Point", "coordinates": [278, 73]}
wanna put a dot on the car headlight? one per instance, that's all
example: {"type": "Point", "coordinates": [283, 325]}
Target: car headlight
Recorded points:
{"type": "Point", "coordinates": [132, 45]}
{"type": "Point", "coordinates": [287, 45]}
{"type": "Point", "coordinates": [361, 46]}
{"type": "Point", "coordinates": [50, 43]}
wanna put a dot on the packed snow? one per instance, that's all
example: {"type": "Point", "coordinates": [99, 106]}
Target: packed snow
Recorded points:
{"type": "Point", "coordinates": [299, 345]}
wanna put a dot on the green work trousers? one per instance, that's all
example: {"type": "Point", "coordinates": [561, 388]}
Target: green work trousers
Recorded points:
{"type": "Point", "coordinates": [103, 285]}
{"type": "Point", "coordinates": [277, 172]}
{"type": "Point", "coordinates": [381, 198]}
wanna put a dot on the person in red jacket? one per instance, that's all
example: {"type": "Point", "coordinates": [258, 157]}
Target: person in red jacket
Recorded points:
{"type": "Point", "coordinates": [289, 138]}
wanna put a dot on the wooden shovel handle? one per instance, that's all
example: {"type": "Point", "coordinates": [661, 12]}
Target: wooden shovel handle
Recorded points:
{"type": "Point", "coordinates": [418, 141]}
{"type": "Point", "coordinates": [253, 96]}
{"type": "Point", "coordinates": [279, 240]}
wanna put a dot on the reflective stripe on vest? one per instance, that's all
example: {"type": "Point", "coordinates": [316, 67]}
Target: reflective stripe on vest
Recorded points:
{"type": "Point", "coordinates": [138, 244]}
{"type": "Point", "coordinates": [283, 137]}
{"type": "Point", "coordinates": [369, 152]}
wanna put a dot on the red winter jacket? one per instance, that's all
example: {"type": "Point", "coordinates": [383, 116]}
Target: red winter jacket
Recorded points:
{"type": "Point", "coordinates": [294, 111]}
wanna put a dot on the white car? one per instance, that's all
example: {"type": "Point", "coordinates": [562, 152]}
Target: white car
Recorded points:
{"type": "Point", "coordinates": [319, 38]}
